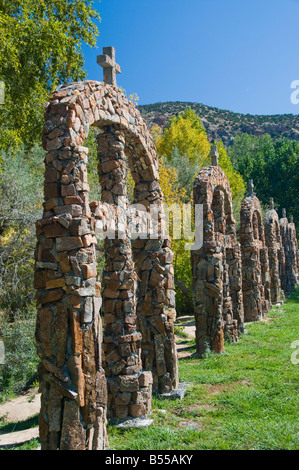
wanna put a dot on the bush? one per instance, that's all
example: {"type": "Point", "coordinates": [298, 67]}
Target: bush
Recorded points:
{"type": "Point", "coordinates": [20, 365]}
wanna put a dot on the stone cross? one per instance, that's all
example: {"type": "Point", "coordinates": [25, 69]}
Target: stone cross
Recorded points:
{"type": "Point", "coordinates": [214, 155]}
{"type": "Point", "coordinates": [250, 186]}
{"type": "Point", "coordinates": [271, 203]}
{"type": "Point", "coordinates": [284, 213]}
{"type": "Point", "coordinates": [111, 68]}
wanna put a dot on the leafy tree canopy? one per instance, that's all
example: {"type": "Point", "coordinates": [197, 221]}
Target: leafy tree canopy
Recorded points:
{"type": "Point", "coordinates": [235, 179]}
{"type": "Point", "coordinates": [186, 133]}
{"type": "Point", "coordinates": [40, 48]}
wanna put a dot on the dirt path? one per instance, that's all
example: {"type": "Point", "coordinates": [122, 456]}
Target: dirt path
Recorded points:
{"type": "Point", "coordinates": [188, 325]}
{"type": "Point", "coordinates": [19, 409]}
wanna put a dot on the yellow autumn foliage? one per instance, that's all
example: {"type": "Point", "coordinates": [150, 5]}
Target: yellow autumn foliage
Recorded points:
{"type": "Point", "coordinates": [186, 133]}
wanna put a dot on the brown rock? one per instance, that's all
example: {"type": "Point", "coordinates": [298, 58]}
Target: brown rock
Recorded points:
{"type": "Point", "coordinates": [121, 412]}
{"type": "Point", "coordinates": [64, 262]}
{"type": "Point", "coordinates": [129, 383]}
{"type": "Point", "coordinates": [123, 399]}
{"type": "Point", "coordinates": [55, 283]}
{"type": "Point", "coordinates": [68, 190]}
{"type": "Point", "coordinates": [54, 230]}
{"type": "Point", "coordinates": [51, 190]}
{"type": "Point", "coordinates": [51, 296]}
{"type": "Point", "coordinates": [68, 243]}
{"type": "Point", "coordinates": [145, 379]}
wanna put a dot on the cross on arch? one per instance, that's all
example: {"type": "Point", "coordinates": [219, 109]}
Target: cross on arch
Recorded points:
{"type": "Point", "coordinates": [271, 203]}
{"type": "Point", "coordinates": [111, 68]}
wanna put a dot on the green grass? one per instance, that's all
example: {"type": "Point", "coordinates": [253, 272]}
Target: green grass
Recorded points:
{"type": "Point", "coordinates": [244, 399]}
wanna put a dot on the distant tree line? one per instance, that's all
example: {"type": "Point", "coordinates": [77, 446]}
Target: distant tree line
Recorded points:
{"type": "Point", "coordinates": [273, 164]}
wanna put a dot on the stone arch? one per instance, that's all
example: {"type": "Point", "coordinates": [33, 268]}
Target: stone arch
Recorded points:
{"type": "Point", "coordinates": [69, 328]}
{"type": "Point", "coordinates": [289, 274]}
{"type": "Point", "coordinates": [275, 253]}
{"type": "Point", "coordinates": [255, 260]}
{"type": "Point", "coordinates": [222, 214]}
{"type": "Point", "coordinates": [216, 266]}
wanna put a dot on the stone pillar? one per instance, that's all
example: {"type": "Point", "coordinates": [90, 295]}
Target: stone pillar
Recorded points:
{"type": "Point", "coordinates": [282, 268]}
{"type": "Point", "coordinates": [255, 261]}
{"type": "Point", "coordinates": [129, 387]}
{"type": "Point", "coordinates": [288, 276]}
{"type": "Point", "coordinates": [293, 251]}
{"type": "Point", "coordinates": [235, 324]}
{"type": "Point", "coordinates": [156, 311]}
{"type": "Point", "coordinates": [68, 330]}
{"type": "Point", "coordinates": [216, 266]}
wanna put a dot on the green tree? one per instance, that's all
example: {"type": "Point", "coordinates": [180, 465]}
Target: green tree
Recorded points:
{"type": "Point", "coordinates": [235, 179]}
{"type": "Point", "coordinates": [184, 149]}
{"type": "Point", "coordinates": [249, 155]}
{"type": "Point", "coordinates": [40, 48]}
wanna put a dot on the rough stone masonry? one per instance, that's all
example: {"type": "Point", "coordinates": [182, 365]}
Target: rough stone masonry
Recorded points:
{"type": "Point", "coordinates": [289, 276]}
{"type": "Point", "coordinates": [275, 253]}
{"type": "Point", "coordinates": [255, 260]}
{"type": "Point", "coordinates": [138, 287]}
{"type": "Point", "coordinates": [216, 266]}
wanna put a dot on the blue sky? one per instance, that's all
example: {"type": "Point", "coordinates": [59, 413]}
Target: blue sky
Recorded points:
{"type": "Point", "coordinates": [240, 55]}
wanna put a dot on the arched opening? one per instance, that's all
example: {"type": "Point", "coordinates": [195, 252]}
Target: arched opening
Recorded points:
{"type": "Point", "coordinates": [272, 238]}
{"type": "Point", "coordinates": [257, 225]}
{"type": "Point", "coordinates": [71, 286]}
{"type": "Point", "coordinates": [216, 267]}
{"type": "Point", "coordinates": [255, 260]}
{"type": "Point", "coordinates": [218, 209]}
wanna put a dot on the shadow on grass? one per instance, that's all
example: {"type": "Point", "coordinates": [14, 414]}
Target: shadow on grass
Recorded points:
{"type": "Point", "coordinates": [293, 297]}
{"type": "Point", "coordinates": [19, 425]}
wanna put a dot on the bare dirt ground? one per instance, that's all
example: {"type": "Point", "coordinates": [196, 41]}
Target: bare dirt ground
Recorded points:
{"type": "Point", "coordinates": [27, 405]}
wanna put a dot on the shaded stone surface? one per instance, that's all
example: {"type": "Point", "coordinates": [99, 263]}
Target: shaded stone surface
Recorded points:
{"type": "Point", "coordinates": [129, 394]}
{"type": "Point", "coordinates": [275, 253]}
{"type": "Point", "coordinates": [216, 266]}
{"type": "Point", "coordinates": [289, 275]}
{"type": "Point", "coordinates": [255, 259]}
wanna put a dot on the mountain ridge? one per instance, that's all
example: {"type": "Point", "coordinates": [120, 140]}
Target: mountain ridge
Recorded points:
{"type": "Point", "coordinates": [224, 124]}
